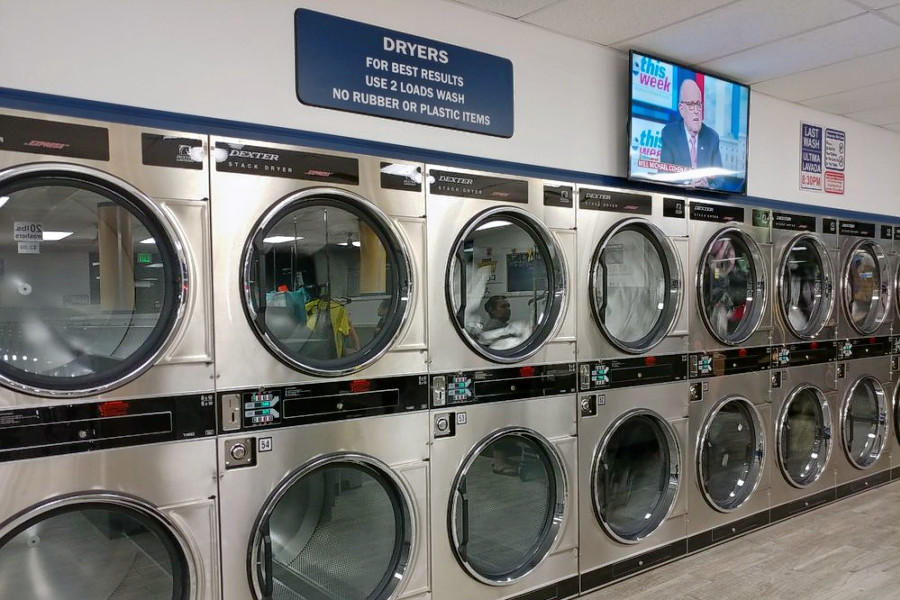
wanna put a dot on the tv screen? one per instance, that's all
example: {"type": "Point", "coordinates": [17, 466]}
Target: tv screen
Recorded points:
{"type": "Point", "coordinates": [686, 127]}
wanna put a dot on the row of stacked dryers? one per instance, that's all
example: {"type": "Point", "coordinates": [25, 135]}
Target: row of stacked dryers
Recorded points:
{"type": "Point", "coordinates": [237, 370]}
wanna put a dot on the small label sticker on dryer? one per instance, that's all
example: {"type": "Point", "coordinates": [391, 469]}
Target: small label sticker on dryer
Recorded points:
{"type": "Point", "coordinates": [558, 195]}
{"type": "Point", "coordinates": [29, 248]}
{"type": "Point", "coordinates": [176, 152]}
{"type": "Point", "coordinates": [403, 177]}
{"type": "Point", "coordinates": [673, 207]}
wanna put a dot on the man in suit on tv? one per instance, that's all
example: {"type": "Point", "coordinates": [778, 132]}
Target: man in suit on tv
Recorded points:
{"type": "Point", "coordinates": [686, 141]}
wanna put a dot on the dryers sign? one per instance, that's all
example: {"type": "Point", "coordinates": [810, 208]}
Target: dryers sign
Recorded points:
{"type": "Point", "coordinates": [352, 66]}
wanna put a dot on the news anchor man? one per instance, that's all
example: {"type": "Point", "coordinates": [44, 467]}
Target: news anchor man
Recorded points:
{"type": "Point", "coordinates": [686, 141]}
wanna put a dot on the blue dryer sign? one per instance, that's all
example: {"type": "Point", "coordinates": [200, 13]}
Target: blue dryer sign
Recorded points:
{"type": "Point", "coordinates": [352, 66]}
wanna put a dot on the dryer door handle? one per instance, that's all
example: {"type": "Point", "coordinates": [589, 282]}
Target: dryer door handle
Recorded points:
{"type": "Point", "coordinates": [464, 533]}
{"type": "Point", "coordinates": [268, 580]}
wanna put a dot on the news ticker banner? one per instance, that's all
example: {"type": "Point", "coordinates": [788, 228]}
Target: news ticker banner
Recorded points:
{"type": "Point", "coordinates": [823, 153]}
{"type": "Point", "coordinates": [355, 67]}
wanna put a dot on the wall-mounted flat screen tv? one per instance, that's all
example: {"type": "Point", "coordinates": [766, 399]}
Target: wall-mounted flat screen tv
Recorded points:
{"type": "Point", "coordinates": [685, 127]}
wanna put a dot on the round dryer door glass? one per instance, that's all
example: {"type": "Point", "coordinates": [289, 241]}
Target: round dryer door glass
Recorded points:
{"type": "Point", "coordinates": [635, 286]}
{"type": "Point", "coordinates": [732, 287]}
{"type": "Point", "coordinates": [93, 550]}
{"type": "Point", "coordinates": [93, 281]}
{"type": "Point", "coordinates": [804, 436]}
{"type": "Point", "coordinates": [327, 282]}
{"type": "Point", "coordinates": [864, 428]}
{"type": "Point", "coordinates": [731, 453]}
{"type": "Point", "coordinates": [506, 284]}
{"type": "Point", "coordinates": [805, 287]}
{"type": "Point", "coordinates": [339, 528]}
{"type": "Point", "coordinates": [635, 476]}
{"type": "Point", "coordinates": [507, 506]}
{"type": "Point", "coordinates": [866, 296]}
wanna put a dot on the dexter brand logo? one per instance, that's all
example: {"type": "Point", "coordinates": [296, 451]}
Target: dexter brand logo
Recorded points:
{"type": "Point", "coordinates": [46, 144]}
{"type": "Point", "coordinates": [254, 155]}
{"type": "Point", "coordinates": [318, 173]}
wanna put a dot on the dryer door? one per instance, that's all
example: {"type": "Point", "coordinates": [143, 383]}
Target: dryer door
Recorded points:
{"type": "Point", "coordinates": [636, 285]}
{"type": "Point", "coordinates": [730, 453]}
{"type": "Point", "coordinates": [95, 546]}
{"type": "Point", "coordinates": [507, 505]}
{"type": "Point", "coordinates": [636, 475]}
{"type": "Point", "coordinates": [732, 286]}
{"type": "Point", "coordinates": [327, 282]}
{"type": "Point", "coordinates": [805, 292]}
{"type": "Point", "coordinates": [867, 293]}
{"type": "Point", "coordinates": [803, 436]}
{"type": "Point", "coordinates": [506, 284]}
{"type": "Point", "coordinates": [864, 427]}
{"type": "Point", "coordinates": [341, 526]}
{"type": "Point", "coordinates": [93, 280]}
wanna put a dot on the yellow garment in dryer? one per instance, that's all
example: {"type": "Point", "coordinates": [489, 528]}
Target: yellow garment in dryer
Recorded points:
{"type": "Point", "coordinates": [340, 322]}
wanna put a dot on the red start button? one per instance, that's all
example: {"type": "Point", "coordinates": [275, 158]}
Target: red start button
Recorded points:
{"type": "Point", "coordinates": [526, 371]}
{"type": "Point", "coordinates": [742, 352]}
{"type": "Point", "coordinates": [650, 361]}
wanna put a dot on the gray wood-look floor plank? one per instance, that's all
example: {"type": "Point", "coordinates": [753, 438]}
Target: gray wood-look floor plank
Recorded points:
{"type": "Point", "coordinates": [848, 550]}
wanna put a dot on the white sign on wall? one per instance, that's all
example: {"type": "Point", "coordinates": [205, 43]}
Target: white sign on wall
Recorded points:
{"type": "Point", "coordinates": [823, 154]}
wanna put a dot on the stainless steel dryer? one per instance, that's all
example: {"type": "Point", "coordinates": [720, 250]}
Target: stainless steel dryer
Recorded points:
{"type": "Point", "coordinates": [731, 256]}
{"type": "Point", "coordinates": [805, 281]}
{"type": "Point", "coordinates": [864, 391]}
{"type": "Point", "coordinates": [504, 485]}
{"type": "Point", "coordinates": [729, 462]}
{"type": "Point", "coordinates": [329, 498]}
{"type": "Point", "coordinates": [319, 264]}
{"type": "Point", "coordinates": [104, 266]}
{"type": "Point", "coordinates": [804, 427]}
{"type": "Point", "coordinates": [110, 500]}
{"type": "Point", "coordinates": [895, 418]}
{"type": "Point", "coordinates": [866, 291]}
{"type": "Point", "coordinates": [500, 250]}
{"type": "Point", "coordinates": [632, 457]}
{"type": "Point", "coordinates": [631, 252]}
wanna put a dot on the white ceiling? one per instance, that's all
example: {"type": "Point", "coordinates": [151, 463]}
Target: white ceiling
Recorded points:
{"type": "Point", "coordinates": [837, 56]}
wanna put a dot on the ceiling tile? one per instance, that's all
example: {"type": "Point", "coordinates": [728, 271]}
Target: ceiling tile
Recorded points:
{"type": "Point", "coordinates": [509, 8]}
{"type": "Point", "coordinates": [878, 116]}
{"type": "Point", "coordinates": [610, 21]}
{"type": "Point", "coordinates": [841, 41]}
{"type": "Point", "coordinates": [839, 77]}
{"type": "Point", "coordinates": [761, 21]}
{"type": "Point", "coordinates": [873, 96]}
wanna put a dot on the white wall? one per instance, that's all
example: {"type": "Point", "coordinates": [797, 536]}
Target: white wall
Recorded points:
{"type": "Point", "coordinates": [234, 59]}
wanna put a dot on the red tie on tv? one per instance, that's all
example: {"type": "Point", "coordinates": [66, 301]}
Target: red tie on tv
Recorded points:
{"type": "Point", "coordinates": [693, 151]}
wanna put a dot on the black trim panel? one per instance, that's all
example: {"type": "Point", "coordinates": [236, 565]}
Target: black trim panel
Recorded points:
{"type": "Point", "coordinates": [498, 385]}
{"type": "Point", "coordinates": [865, 347]}
{"type": "Point", "coordinates": [631, 566]}
{"type": "Point", "coordinates": [802, 505]}
{"type": "Point", "coordinates": [863, 484]}
{"type": "Point", "coordinates": [728, 531]}
{"type": "Point", "coordinates": [729, 362]}
{"type": "Point", "coordinates": [627, 372]}
{"type": "Point", "coordinates": [803, 353]}
{"type": "Point", "coordinates": [567, 588]}
{"type": "Point", "coordinates": [71, 428]}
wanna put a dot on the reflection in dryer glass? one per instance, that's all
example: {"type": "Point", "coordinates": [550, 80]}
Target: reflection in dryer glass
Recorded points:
{"type": "Point", "coordinates": [92, 554]}
{"type": "Point", "coordinates": [83, 301]}
{"type": "Point", "coordinates": [329, 283]}
{"type": "Point", "coordinates": [631, 287]}
{"type": "Point", "coordinates": [505, 505]}
{"type": "Point", "coordinates": [862, 290]}
{"type": "Point", "coordinates": [636, 482]}
{"type": "Point", "coordinates": [864, 427]}
{"type": "Point", "coordinates": [804, 437]}
{"type": "Point", "coordinates": [731, 455]}
{"type": "Point", "coordinates": [501, 293]}
{"type": "Point", "coordinates": [729, 284]}
{"type": "Point", "coordinates": [341, 532]}
{"type": "Point", "coordinates": [802, 285]}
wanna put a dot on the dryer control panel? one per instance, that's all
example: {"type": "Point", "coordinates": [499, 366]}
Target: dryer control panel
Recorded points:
{"type": "Point", "coordinates": [495, 385]}
{"type": "Point", "coordinates": [301, 404]}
